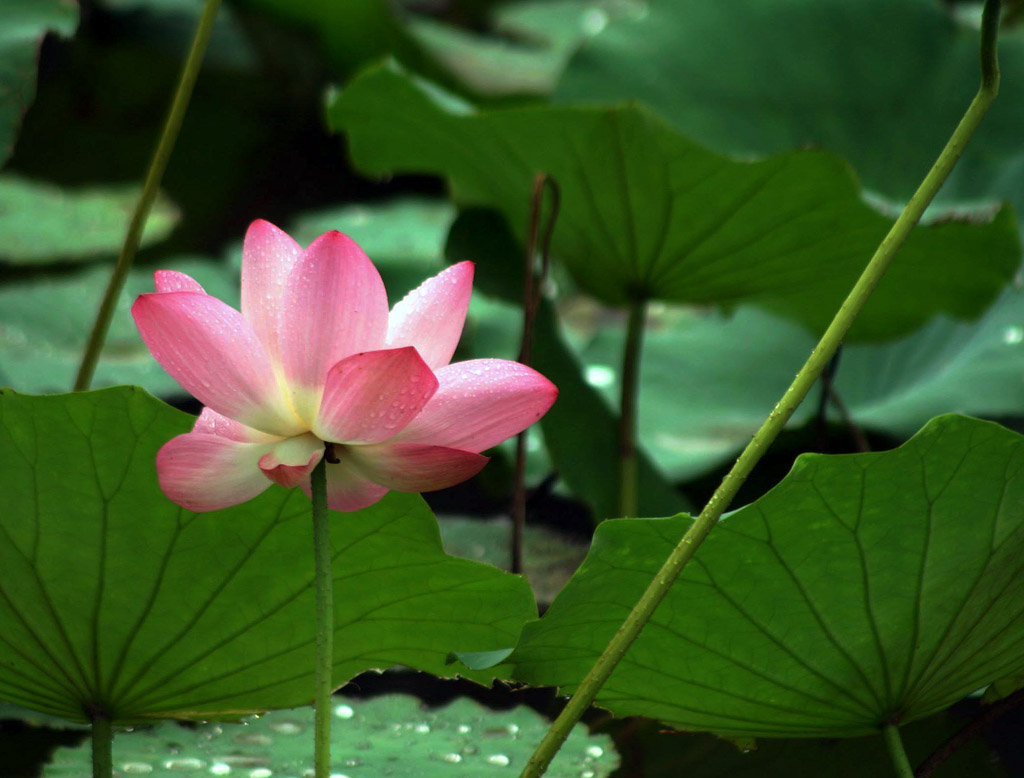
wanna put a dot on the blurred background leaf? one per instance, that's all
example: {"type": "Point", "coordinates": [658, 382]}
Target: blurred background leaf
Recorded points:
{"type": "Point", "coordinates": [25, 24]}
{"type": "Point", "coordinates": [647, 214]}
{"type": "Point", "coordinates": [708, 380]}
{"type": "Point", "coordinates": [45, 319]}
{"type": "Point", "coordinates": [41, 223]}
{"type": "Point", "coordinates": [524, 48]}
{"type": "Point", "coordinates": [882, 83]}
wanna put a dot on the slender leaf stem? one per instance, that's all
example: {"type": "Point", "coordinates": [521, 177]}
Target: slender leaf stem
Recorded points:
{"type": "Point", "coordinates": [324, 620]}
{"type": "Point", "coordinates": [102, 747]}
{"type": "Point", "coordinates": [821, 420]}
{"type": "Point", "coordinates": [157, 166]}
{"type": "Point", "coordinates": [859, 438]}
{"type": "Point", "coordinates": [894, 743]}
{"type": "Point", "coordinates": [533, 290]}
{"type": "Point", "coordinates": [628, 496]}
{"type": "Point", "coordinates": [794, 395]}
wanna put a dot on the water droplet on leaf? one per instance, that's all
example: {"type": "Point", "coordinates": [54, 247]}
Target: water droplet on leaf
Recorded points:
{"type": "Point", "coordinates": [344, 712]}
{"type": "Point", "coordinates": [185, 763]}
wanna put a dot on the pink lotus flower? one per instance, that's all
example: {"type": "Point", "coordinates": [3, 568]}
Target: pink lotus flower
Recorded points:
{"type": "Point", "coordinates": [314, 357]}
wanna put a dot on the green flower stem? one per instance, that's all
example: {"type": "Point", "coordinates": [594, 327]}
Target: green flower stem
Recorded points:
{"type": "Point", "coordinates": [324, 621]}
{"type": "Point", "coordinates": [894, 743]}
{"type": "Point", "coordinates": [102, 747]}
{"type": "Point", "coordinates": [628, 405]}
{"type": "Point", "coordinates": [157, 166]}
{"type": "Point", "coordinates": [805, 379]}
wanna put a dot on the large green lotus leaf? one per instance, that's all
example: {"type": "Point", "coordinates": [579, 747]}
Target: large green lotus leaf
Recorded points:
{"type": "Point", "coordinates": [882, 82]}
{"type": "Point", "coordinates": [42, 223]}
{"type": "Point", "coordinates": [46, 318]}
{"type": "Point", "coordinates": [863, 589]}
{"type": "Point", "coordinates": [25, 24]}
{"type": "Point", "coordinates": [647, 213]}
{"type": "Point", "coordinates": [699, 406]}
{"type": "Point", "coordinates": [113, 598]}
{"type": "Point", "coordinates": [384, 736]}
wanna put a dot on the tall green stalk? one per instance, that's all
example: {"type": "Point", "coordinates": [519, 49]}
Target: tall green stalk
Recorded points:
{"type": "Point", "coordinates": [157, 166]}
{"type": "Point", "coordinates": [794, 395]}
{"type": "Point", "coordinates": [102, 747]}
{"type": "Point", "coordinates": [894, 744]}
{"type": "Point", "coordinates": [533, 292]}
{"type": "Point", "coordinates": [324, 621]}
{"type": "Point", "coordinates": [629, 399]}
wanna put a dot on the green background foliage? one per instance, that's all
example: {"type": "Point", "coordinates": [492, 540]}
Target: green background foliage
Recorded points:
{"type": "Point", "coordinates": [28, 22]}
{"type": "Point", "coordinates": [880, 83]}
{"type": "Point", "coordinates": [735, 163]}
